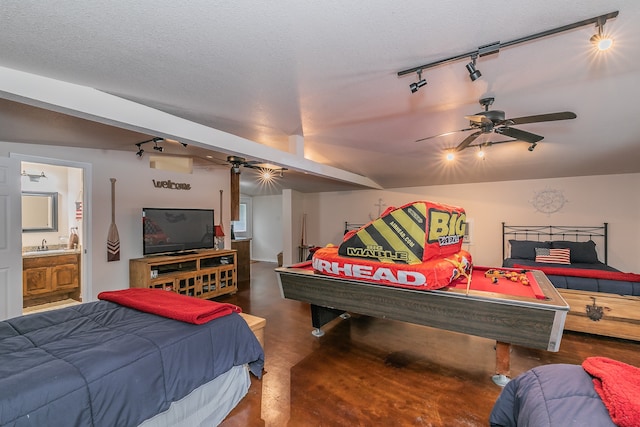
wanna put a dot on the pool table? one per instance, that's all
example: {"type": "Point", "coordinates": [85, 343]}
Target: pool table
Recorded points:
{"type": "Point", "coordinates": [510, 312]}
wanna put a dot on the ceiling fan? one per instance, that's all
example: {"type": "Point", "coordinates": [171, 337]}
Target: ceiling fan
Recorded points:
{"type": "Point", "coordinates": [236, 162]}
{"type": "Point", "coordinates": [488, 121]}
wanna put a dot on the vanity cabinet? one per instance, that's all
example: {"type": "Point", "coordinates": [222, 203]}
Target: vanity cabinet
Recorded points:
{"type": "Point", "coordinates": [48, 278]}
{"type": "Point", "coordinates": [204, 274]}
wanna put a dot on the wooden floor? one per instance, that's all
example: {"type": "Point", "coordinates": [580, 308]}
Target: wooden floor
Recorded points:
{"type": "Point", "coordinates": [375, 372]}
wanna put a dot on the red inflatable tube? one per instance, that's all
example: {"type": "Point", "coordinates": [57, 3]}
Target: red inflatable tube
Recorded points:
{"type": "Point", "coordinates": [433, 274]}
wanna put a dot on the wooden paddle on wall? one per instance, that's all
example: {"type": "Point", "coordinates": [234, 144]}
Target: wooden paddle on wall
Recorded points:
{"type": "Point", "coordinates": [113, 239]}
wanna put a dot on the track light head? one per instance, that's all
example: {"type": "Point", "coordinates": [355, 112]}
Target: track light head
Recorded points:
{"type": "Point", "coordinates": [601, 40]}
{"type": "Point", "coordinates": [417, 85]}
{"type": "Point", "coordinates": [532, 146]}
{"type": "Point", "coordinates": [158, 148]}
{"type": "Point", "coordinates": [474, 74]}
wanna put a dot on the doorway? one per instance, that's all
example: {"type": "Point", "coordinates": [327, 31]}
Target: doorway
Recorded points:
{"type": "Point", "coordinates": [55, 240]}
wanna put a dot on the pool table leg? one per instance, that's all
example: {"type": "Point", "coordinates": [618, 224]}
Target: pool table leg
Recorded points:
{"type": "Point", "coordinates": [320, 316]}
{"type": "Point", "coordinates": [503, 363]}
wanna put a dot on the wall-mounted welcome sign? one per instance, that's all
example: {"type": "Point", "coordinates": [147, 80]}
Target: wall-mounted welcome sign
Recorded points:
{"type": "Point", "coordinates": [170, 185]}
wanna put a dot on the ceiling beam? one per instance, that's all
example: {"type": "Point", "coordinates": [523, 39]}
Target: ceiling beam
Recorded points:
{"type": "Point", "coordinates": [92, 104]}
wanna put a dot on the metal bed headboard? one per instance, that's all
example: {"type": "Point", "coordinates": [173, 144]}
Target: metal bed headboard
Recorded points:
{"type": "Point", "coordinates": [598, 234]}
{"type": "Point", "coordinates": [348, 226]}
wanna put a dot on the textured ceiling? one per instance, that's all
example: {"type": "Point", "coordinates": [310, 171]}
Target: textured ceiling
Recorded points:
{"type": "Point", "coordinates": [327, 72]}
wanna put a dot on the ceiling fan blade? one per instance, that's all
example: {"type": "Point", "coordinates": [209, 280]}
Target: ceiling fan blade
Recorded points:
{"type": "Point", "coordinates": [564, 115]}
{"type": "Point", "coordinates": [467, 141]}
{"type": "Point", "coordinates": [519, 135]}
{"type": "Point", "coordinates": [443, 134]}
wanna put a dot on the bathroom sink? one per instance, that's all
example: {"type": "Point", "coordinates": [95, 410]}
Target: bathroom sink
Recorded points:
{"type": "Point", "coordinates": [50, 252]}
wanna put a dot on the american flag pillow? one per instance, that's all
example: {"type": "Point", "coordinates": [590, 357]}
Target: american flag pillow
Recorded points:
{"type": "Point", "coordinates": [553, 256]}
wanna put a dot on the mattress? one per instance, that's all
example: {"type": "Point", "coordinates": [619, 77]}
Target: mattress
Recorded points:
{"type": "Point", "coordinates": [102, 364]}
{"type": "Point", "coordinates": [207, 405]}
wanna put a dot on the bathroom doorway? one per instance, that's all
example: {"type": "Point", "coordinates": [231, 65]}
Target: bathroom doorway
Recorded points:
{"type": "Point", "coordinates": [54, 230]}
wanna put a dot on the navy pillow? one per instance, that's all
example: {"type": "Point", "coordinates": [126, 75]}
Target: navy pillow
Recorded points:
{"type": "Point", "coordinates": [526, 249]}
{"type": "Point", "coordinates": [581, 252]}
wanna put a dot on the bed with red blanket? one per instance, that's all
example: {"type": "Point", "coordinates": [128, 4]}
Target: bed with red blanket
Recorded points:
{"type": "Point", "coordinates": [137, 357]}
{"type": "Point", "coordinates": [575, 259]}
{"type": "Point", "coordinates": [599, 392]}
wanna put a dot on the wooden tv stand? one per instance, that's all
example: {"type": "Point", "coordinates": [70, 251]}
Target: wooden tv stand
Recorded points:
{"type": "Point", "coordinates": [203, 274]}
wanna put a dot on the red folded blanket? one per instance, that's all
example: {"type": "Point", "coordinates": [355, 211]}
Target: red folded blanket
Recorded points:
{"type": "Point", "coordinates": [618, 385]}
{"type": "Point", "coordinates": [169, 304]}
{"type": "Point", "coordinates": [579, 272]}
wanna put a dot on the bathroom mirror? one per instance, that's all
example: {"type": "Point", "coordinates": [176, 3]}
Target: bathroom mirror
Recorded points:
{"type": "Point", "coordinates": [39, 211]}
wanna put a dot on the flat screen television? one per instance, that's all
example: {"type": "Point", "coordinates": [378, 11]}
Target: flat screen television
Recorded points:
{"type": "Point", "coordinates": [170, 230]}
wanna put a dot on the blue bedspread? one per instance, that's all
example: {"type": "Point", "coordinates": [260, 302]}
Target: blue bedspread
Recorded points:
{"type": "Point", "coordinates": [618, 287]}
{"type": "Point", "coordinates": [101, 364]}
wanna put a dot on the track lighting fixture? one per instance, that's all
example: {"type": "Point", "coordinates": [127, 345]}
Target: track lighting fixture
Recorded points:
{"type": "Point", "coordinates": [603, 42]}
{"type": "Point", "coordinates": [267, 175]}
{"type": "Point", "coordinates": [532, 146]}
{"type": "Point", "coordinates": [471, 68]}
{"type": "Point", "coordinates": [417, 85]}
{"type": "Point", "coordinates": [156, 140]}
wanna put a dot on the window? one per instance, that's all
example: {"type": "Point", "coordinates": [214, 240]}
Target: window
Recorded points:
{"type": "Point", "coordinates": [243, 228]}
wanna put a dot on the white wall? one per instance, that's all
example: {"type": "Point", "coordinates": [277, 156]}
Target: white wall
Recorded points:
{"type": "Point", "coordinates": [591, 200]}
{"type": "Point", "coordinates": [267, 228]}
{"type": "Point", "coordinates": [134, 190]}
